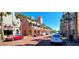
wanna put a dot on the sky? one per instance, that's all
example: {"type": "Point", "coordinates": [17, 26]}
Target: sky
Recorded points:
{"type": "Point", "coordinates": [51, 19]}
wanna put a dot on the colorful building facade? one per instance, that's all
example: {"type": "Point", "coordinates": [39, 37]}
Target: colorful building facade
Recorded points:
{"type": "Point", "coordinates": [33, 28]}
{"type": "Point", "coordinates": [26, 26]}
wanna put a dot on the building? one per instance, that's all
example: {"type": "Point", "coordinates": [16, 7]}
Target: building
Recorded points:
{"type": "Point", "coordinates": [68, 23]}
{"type": "Point", "coordinates": [64, 25]}
{"type": "Point", "coordinates": [72, 24]}
{"type": "Point", "coordinates": [17, 26]}
{"type": "Point", "coordinates": [14, 24]}
{"type": "Point", "coordinates": [40, 20]}
{"type": "Point", "coordinates": [77, 25]}
{"type": "Point", "coordinates": [0, 29]}
{"type": "Point", "coordinates": [33, 27]}
{"type": "Point", "coordinates": [10, 25]}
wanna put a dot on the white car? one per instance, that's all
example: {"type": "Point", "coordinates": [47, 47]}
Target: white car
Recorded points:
{"type": "Point", "coordinates": [57, 39]}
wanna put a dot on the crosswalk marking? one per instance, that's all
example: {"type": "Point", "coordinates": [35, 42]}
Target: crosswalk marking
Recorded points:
{"type": "Point", "coordinates": [68, 43]}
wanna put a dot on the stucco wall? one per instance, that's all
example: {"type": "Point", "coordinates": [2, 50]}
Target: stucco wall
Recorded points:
{"type": "Point", "coordinates": [25, 24]}
{"type": "Point", "coordinates": [78, 23]}
{"type": "Point", "coordinates": [8, 19]}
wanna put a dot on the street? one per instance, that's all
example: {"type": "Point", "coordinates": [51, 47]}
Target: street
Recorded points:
{"type": "Point", "coordinates": [38, 41]}
{"type": "Point", "coordinates": [66, 43]}
{"type": "Point", "coordinates": [26, 41]}
{"type": "Point", "coordinates": [72, 43]}
{"type": "Point", "coordinates": [32, 32]}
{"type": "Point", "coordinates": [48, 43]}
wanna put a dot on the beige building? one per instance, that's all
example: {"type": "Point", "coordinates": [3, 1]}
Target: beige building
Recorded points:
{"type": "Point", "coordinates": [77, 25]}
{"type": "Point", "coordinates": [10, 24]}
{"type": "Point", "coordinates": [40, 20]}
{"type": "Point", "coordinates": [72, 24]}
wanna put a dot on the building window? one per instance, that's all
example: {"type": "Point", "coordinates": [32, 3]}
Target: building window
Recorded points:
{"type": "Point", "coordinates": [8, 32]}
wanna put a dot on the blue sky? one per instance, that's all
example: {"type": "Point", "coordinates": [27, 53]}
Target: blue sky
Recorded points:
{"type": "Point", "coordinates": [51, 19]}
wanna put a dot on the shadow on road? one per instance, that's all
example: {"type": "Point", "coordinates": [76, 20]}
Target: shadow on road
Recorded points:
{"type": "Point", "coordinates": [47, 43]}
{"type": "Point", "coordinates": [72, 42]}
{"type": "Point", "coordinates": [37, 40]}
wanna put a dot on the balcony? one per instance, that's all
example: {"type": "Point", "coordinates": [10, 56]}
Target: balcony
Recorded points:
{"type": "Point", "coordinates": [35, 27]}
{"type": "Point", "coordinates": [8, 27]}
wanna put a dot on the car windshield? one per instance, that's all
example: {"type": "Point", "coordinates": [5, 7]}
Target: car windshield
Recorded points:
{"type": "Point", "coordinates": [56, 36]}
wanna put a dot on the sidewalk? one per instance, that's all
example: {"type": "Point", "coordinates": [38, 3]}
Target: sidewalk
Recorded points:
{"type": "Point", "coordinates": [27, 40]}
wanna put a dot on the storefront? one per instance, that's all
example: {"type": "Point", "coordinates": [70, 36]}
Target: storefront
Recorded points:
{"type": "Point", "coordinates": [8, 30]}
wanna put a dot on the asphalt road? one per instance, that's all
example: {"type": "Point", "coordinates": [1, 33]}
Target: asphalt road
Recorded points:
{"type": "Point", "coordinates": [66, 43]}
{"type": "Point", "coordinates": [48, 43]}
{"type": "Point", "coordinates": [72, 43]}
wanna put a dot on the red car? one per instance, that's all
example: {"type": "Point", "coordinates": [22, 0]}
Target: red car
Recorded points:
{"type": "Point", "coordinates": [16, 37]}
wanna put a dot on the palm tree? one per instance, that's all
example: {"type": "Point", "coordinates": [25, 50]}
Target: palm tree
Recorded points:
{"type": "Point", "coordinates": [1, 15]}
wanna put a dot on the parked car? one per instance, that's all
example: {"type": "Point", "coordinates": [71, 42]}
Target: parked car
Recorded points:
{"type": "Point", "coordinates": [56, 39]}
{"type": "Point", "coordinates": [18, 37]}
{"type": "Point", "coordinates": [12, 38]}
